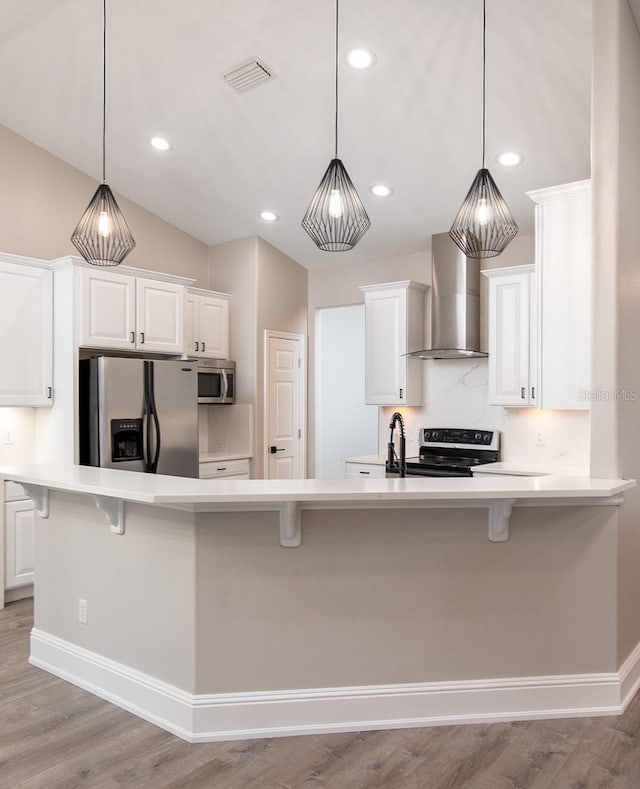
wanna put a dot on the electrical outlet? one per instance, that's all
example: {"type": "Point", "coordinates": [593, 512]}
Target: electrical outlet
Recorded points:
{"type": "Point", "coordinates": [83, 612]}
{"type": "Point", "coordinates": [539, 438]}
{"type": "Point", "coordinates": [7, 438]}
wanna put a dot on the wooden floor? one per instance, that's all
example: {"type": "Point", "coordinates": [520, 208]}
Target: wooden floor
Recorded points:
{"type": "Point", "coordinates": [56, 736]}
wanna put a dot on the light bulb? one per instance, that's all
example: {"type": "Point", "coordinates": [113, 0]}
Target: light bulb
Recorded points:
{"type": "Point", "coordinates": [104, 224]}
{"type": "Point", "coordinates": [336, 206]}
{"type": "Point", "coordinates": [483, 211]}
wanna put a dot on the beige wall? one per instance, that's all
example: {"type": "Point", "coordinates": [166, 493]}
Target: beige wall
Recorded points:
{"type": "Point", "coordinates": [138, 586]}
{"type": "Point", "coordinates": [212, 603]}
{"type": "Point", "coordinates": [42, 198]}
{"type": "Point", "coordinates": [616, 191]}
{"type": "Point", "coordinates": [269, 291]}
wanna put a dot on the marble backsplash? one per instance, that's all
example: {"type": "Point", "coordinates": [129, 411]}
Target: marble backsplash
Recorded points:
{"type": "Point", "coordinates": [456, 395]}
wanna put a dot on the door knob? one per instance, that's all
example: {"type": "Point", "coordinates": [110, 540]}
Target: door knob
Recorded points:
{"type": "Point", "coordinates": [273, 450]}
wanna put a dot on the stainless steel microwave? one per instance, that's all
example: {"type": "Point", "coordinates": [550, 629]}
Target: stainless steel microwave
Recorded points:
{"type": "Point", "coordinates": [216, 381]}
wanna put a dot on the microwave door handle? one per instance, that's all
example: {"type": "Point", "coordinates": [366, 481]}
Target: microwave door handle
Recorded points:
{"type": "Point", "coordinates": [225, 385]}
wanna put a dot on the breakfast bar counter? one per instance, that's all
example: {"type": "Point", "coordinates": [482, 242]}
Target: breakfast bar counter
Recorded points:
{"type": "Point", "coordinates": [405, 602]}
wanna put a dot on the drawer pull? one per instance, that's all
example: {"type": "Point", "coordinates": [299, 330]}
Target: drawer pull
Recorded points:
{"type": "Point", "coordinates": [221, 468]}
{"type": "Point", "coordinates": [364, 472]}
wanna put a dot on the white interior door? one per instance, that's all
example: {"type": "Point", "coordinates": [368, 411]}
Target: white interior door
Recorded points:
{"type": "Point", "coordinates": [284, 410]}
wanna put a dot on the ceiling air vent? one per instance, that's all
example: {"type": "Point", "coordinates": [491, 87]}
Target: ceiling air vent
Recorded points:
{"type": "Point", "coordinates": [248, 75]}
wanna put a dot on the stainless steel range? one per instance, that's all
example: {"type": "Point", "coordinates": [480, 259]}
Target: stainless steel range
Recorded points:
{"type": "Point", "coordinates": [449, 452]}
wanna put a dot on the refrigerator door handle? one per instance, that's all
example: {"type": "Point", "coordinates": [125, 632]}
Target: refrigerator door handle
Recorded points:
{"type": "Point", "coordinates": [146, 421]}
{"type": "Point", "coordinates": [156, 422]}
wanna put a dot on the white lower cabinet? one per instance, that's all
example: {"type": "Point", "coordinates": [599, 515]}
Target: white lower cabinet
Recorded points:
{"type": "Point", "coordinates": [18, 541]}
{"type": "Point", "coordinates": [225, 469]}
{"type": "Point", "coordinates": [353, 470]}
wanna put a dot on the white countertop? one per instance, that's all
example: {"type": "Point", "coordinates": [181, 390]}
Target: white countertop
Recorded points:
{"type": "Point", "coordinates": [373, 460]}
{"type": "Point", "coordinates": [529, 470]}
{"type": "Point", "coordinates": [166, 490]}
{"type": "Point", "coordinates": [218, 457]}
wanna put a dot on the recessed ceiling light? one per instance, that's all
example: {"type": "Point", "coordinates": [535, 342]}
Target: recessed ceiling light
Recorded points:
{"type": "Point", "coordinates": [269, 216]}
{"type": "Point", "coordinates": [381, 190]}
{"type": "Point", "coordinates": [510, 158]}
{"type": "Point", "coordinates": [160, 143]}
{"type": "Point", "coordinates": [360, 58]}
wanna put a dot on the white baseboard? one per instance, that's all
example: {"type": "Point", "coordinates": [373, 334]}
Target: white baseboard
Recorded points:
{"type": "Point", "coordinates": [629, 677]}
{"type": "Point", "coordinates": [234, 716]}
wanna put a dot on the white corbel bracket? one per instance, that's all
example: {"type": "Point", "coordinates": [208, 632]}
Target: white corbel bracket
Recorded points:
{"type": "Point", "coordinates": [499, 514]}
{"type": "Point", "coordinates": [290, 524]}
{"type": "Point", "coordinates": [113, 509]}
{"type": "Point", "coordinates": [40, 497]}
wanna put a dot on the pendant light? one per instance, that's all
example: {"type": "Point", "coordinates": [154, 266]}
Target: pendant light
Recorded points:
{"type": "Point", "coordinates": [336, 218]}
{"type": "Point", "coordinates": [484, 226]}
{"type": "Point", "coordinates": [102, 235]}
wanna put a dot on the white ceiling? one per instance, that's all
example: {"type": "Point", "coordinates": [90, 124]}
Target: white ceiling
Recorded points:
{"type": "Point", "coordinates": [413, 121]}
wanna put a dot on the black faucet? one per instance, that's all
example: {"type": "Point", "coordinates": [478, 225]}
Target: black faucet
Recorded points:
{"type": "Point", "coordinates": [396, 418]}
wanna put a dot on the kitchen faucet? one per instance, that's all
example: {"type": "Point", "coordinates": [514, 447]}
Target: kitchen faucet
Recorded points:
{"type": "Point", "coordinates": [396, 418]}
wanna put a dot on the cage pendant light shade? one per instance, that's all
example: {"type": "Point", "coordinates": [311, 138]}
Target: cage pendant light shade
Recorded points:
{"type": "Point", "coordinates": [336, 218]}
{"type": "Point", "coordinates": [102, 235]}
{"type": "Point", "coordinates": [484, 225]}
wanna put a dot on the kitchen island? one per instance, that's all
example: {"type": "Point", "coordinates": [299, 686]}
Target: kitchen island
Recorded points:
{"type": "Point", "coordinates": [403, 603]}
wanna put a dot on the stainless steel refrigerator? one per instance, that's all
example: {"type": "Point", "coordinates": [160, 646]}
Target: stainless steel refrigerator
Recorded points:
{"type": "Point", "coordinates": [139, 415]}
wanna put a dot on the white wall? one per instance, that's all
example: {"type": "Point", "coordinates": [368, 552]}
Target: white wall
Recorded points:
{"type": "Point", "coordinates": [345, 426]}
{"type": "Point", "coordinates": [19, 446]}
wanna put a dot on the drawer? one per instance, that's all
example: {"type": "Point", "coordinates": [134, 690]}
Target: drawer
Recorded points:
{"type": "Point", "coordinates": [364, 470]}
{"type": "Point", "coordinates": [13, 491]}
{"type": "Point", "coordinates": [225, 468]}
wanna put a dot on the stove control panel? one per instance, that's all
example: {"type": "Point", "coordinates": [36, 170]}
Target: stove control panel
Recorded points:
{"type": "Point", "coordinates": [447, 435]}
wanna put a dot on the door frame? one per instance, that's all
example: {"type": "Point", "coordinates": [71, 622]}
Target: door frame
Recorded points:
{"type": "Point", "coordinates": [302, 392]}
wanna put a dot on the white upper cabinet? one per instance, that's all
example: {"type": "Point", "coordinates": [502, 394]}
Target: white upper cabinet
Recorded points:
{"type": "Point", "coordinates": [26, 335]}
{"type": "Point", "coordinates": [394, 326]}
{"type": "Point", "coordinates": [512, 336]}
{"type": "Point", "coordinates": [207, 324]}
{"type": "Point", "coordinates": [108, 307]}
{"type": "Point", "coordinates": [540, 317]}
{"type": "Point", "coordinates": [123, 311]}
{"type": "Point", "coordinates": [160, 316]}
{"type": "Point", "coordinates": [564, 274]}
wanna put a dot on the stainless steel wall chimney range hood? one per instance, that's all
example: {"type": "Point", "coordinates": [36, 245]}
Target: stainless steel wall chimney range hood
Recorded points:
{"type": "Point", "coordinates": [455, 303]}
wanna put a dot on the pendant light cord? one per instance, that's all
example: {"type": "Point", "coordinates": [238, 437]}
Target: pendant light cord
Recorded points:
{"type": "Point", "coordinates": [484, 69]}
{"type": "Point", "coordinates": [336, 130]}
{"type": "Point", "coordinates": [104, 88]}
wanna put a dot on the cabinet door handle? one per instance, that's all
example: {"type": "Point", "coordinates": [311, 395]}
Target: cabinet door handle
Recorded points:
{"type": "Point", "coordinates": [204, 346]}
{"type": "Point", "coordinates": [533, 393]}
{"type": "Point", "coordinates": [197, 346]}
{"type": "Point", "coordinates": [522, 393]}
{"type": "Point", "coordinates": [49, 392]}
{"type": "Point", "coordinates": [402, 394]}
{"type": "Point", "coordinates": [132, 336]}
{"type": "Point", "coordinates": [141, 338]}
